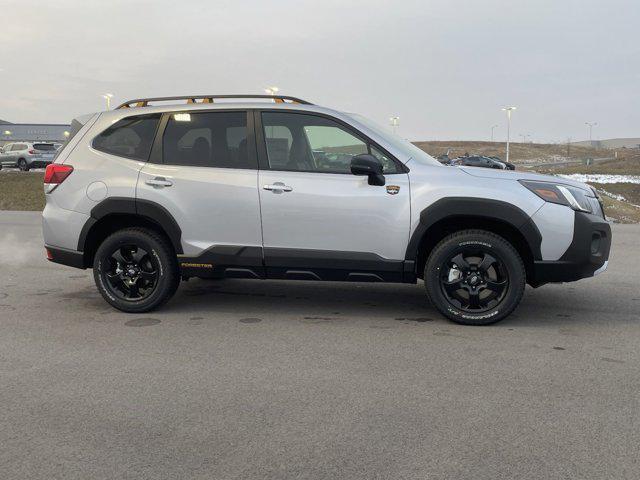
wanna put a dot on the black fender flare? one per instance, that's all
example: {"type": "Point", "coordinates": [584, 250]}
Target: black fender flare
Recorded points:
{"type": "Point", "coordinates": [130, 206]}
{"type": "Point", "coordinates": [482, 208]}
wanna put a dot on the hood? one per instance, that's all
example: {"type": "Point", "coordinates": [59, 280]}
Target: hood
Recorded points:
{"type": "Point", "coordinates": [518, 175]}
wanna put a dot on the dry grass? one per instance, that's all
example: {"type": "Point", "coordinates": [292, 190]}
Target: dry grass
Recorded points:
{"type": "Point", "coordinates": [620, 212]}
{"type": "Point", "coordinates": [21, 190]}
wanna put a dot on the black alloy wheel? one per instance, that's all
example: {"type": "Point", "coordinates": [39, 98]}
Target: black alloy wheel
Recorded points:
{"type": "Point", "coordinates": [474, 280]}
{"type": "Point", "coordinates": [132, 274]}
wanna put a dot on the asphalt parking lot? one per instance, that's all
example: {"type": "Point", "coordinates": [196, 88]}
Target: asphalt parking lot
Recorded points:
{"type": "Point", "coordinates": [275, 380]}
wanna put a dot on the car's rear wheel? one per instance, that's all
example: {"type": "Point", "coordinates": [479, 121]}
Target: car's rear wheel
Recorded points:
{"type": "Point", "coordinates": [136, 270]}
{"type": "Point", "coordinates": [475, 277]}
{"type": "Point", "coordinates": [23, 165]}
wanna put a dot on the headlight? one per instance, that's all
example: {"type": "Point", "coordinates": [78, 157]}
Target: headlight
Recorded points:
{"type": "Point", "coordinates": [573, 197]}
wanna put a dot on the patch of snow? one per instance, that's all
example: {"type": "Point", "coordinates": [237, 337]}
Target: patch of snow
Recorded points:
{"type": "Point", "coordinates": [602, 178]}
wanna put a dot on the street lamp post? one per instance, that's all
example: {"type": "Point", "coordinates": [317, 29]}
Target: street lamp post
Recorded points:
{"type": "Point", "coordinates": [394, 122]}
{"type": "Point", "coordinates": [508, 110]}
{"type": "Point", "coordinates": [591, 125]}
{"type": "Point", "coordinates": [492, 128]}
{"type": "Point", "coordinates": [108, 97]}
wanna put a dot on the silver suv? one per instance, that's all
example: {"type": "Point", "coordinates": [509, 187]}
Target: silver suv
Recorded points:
{"type": "Point", "coordinates": [26, 155]}
{"type": "Point", "coordinates": [147, 195]}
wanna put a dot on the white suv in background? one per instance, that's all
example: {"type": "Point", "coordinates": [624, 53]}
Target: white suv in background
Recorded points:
{"type": "Point", "coordinates": [233, 186]}
{"type": "Point", "coordinates": [27, 155]}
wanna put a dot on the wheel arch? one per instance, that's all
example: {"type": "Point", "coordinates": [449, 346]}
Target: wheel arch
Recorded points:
{"type": "Point", "coordinates": [115, 214]}
{"type": "Point", "coordinates": [450, 215]}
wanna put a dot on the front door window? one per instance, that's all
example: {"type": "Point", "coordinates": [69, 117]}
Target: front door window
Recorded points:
{"type": "Point", "coordinates": [309, 143]}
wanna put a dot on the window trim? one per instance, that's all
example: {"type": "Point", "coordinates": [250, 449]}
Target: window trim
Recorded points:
{"type": "Point", "coordinates": [156, 155]}
{"type": "Point", "coordinates": [263, 158]}
{"type": "Point", "coordinates": [129, 157]}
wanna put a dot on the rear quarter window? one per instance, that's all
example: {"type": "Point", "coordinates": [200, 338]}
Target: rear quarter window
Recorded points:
{"type": "Point", "coordinates": [130, 137]}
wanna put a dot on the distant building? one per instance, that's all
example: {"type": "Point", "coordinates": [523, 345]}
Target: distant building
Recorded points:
{"type": "Point", "coordinates": [29, 132]}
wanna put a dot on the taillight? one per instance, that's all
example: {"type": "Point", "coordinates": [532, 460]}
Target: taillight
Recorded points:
{"type": "Point", "coordinates": [32, 151]}
{"type": "Point", "coordinates": [56, 173]}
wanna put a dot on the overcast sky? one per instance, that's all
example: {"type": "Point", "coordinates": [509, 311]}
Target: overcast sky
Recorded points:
{"type": "Point", "coordinates": [446, 67]}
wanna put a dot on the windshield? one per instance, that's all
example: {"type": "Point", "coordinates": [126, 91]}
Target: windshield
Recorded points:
{"type": "Point", "coordinates": [406, 147]}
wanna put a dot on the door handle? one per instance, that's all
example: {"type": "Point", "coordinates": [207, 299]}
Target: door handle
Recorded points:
{"type": "Point", "coordinates": [278, 187]}
{"type": "Point", "coordinates": [159, 182]}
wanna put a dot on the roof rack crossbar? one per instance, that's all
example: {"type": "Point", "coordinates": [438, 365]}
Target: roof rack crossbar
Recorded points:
{"type": "Point", "coordinates": [144, 102]}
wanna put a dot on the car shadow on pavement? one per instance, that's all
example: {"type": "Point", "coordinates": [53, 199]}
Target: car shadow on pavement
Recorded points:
{"type": "Point", "coordinates": [304, 298]}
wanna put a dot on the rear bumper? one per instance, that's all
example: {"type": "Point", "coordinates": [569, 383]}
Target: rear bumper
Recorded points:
{"type": "Point", "coordinates": [587, 255]}
{"type": "Point", "coordinates": [71, 258]}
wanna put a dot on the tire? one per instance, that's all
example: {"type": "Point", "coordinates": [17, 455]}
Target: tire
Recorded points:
{"type": "Point", "coordinates": [136, 270]}
{"type": "Point", "coordinates": [23, 165]}
{"type": "Point", "coordinates": [474, 277]}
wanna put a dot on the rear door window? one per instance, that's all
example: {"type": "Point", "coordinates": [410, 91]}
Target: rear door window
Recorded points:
{"type": "Point", "coordinates": [207, 139]}
{"type": "Point", "coordinates": [131, 137]}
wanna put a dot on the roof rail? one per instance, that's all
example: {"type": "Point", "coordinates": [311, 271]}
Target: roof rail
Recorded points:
{"type": "Point", "coordinates": [144, 102]}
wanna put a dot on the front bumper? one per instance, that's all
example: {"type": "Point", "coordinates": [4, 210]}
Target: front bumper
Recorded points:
{"type": "Point", "coordinates": [587, 255]}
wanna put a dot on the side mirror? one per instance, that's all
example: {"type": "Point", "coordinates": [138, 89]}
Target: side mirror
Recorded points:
{"type": "Point", "coordinates": [370, 166]}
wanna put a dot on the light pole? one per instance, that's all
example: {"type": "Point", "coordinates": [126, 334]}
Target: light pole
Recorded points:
{"type": "Point", "coordinates": [508, 110]}
{"type": "Point", "coordinates": [591, 125]}
{"type": "Point", "coordinates": [108, 97]}
{"type": "Point", "coordinates": [492, 128]}
{"type": "Point", "coordinates": [394, 122]}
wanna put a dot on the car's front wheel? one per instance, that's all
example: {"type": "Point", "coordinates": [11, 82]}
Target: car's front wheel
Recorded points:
{"type": "Point", "coordinates": [475, 277]}
{"type": "Point", "coordinates": [136, 270]}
